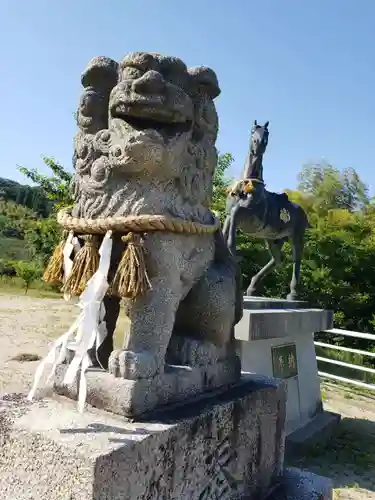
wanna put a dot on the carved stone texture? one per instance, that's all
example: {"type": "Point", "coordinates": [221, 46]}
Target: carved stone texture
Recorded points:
{"type": "Point", "coordinates": [156, 155]}
{"type": "Point", "coordinates": [228, 447]}
{"type": "Point", "coordinates": [201, 372]}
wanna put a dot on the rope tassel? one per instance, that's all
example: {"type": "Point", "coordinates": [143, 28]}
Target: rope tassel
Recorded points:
{"type": "Point", "coordinates": [131, 279]}
{"type": "Point", "coordinates": [54, 272]}
{"type": "Point", "coordinates": [85, 264]}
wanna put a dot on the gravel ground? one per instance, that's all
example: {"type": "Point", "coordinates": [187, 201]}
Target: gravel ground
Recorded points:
{"type": "Point", "coordinates": [28, 325]}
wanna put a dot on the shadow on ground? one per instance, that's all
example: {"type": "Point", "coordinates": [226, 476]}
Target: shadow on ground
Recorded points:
{"type": "Point", "coordinates": [348, 458]}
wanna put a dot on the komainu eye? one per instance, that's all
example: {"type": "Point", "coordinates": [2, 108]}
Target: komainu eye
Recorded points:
{"type": "Point", "coordinates": [131, 73]}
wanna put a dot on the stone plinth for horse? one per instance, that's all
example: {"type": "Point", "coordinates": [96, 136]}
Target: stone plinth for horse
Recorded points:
{"type": "Point", "coordinates": [275, 338]}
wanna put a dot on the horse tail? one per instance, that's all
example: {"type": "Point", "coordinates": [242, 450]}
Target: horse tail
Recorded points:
{"type": "Point", "coordinates": [303, 216]}
{"type": "Point", "coordinates": [307, 222]}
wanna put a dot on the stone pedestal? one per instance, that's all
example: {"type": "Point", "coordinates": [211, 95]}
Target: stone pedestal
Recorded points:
{"type": "Point", "coordinates": [192, 368]}
{"type": "Point", "coordinates": [276, 338]}
{"type": "Point", "coordinates": [227, 445]}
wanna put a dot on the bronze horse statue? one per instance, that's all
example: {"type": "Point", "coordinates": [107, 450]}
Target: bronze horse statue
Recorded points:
{"type": "Point", "coordinates": [264, 214]}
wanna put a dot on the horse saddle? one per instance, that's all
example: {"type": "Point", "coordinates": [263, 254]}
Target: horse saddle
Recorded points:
{"type": "Point", "coordinates": [278, 197]}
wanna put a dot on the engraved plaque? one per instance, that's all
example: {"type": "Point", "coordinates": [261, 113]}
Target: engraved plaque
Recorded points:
{"type": "Point", "coordinates": [284, 361]}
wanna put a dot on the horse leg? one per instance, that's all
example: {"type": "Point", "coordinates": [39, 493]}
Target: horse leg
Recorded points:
{"type": "Point", "coordinates": [274, 247]}
{"type": "Point", "coordinates": [226, 227]}
{"type": "Point", "coordinates": [297, 248]}
{"type": "Point", "coordinates": [231, 229]}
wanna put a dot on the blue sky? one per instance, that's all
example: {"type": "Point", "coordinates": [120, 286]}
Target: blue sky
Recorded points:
{"type": "Point", "coordinates": [307, 66]}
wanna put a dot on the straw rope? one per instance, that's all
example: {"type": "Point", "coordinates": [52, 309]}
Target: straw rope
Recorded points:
{"type": "Point", "coordinates": [133, 223]}
{"type": "Point", "coordinates": [131, 278]}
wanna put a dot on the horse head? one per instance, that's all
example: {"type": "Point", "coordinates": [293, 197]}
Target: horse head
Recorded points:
{"type": "Point", "coordinates": [253, 168]}
{"type": "Point", "coordinates": [259, 138]}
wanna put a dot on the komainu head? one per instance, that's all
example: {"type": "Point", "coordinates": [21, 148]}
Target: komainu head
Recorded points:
{"type": "Point", "coordinates": [147, 137]}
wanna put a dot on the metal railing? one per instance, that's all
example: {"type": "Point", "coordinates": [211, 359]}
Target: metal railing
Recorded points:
{"type": "Point", "coordinates": [344, 364]}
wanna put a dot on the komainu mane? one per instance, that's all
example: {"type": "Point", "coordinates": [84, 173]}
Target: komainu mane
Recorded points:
{"type": "Point", "coordinates": [147, 139]}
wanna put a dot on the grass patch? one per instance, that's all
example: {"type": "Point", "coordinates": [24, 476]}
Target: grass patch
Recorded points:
{"type": "Point", "coordinates": [350, 389]}
{"type": "Point", "coordinates": [38, 288]}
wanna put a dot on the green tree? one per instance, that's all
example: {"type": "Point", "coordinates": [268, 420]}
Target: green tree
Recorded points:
{"type": "Point", "coordinates": [15, 219]}
{"type": "Point", "coordinates": [42, 237]}
{"type": "Point", "coordinates": [329, 188]}
{"type": "Point", "coordinates": [28, 196]}
{"type": "Point", "coordinates": [55, 187]}
{"type": "Point", "coordinates": [221, 183]}
{"type": "Point", "coordinates": [28, 272]}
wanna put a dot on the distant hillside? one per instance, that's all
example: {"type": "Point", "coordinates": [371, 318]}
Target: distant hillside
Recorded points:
{"type": "Point", "coordinates": [28, 196]}
{"type": "Point", "coordinates": [13, 249]}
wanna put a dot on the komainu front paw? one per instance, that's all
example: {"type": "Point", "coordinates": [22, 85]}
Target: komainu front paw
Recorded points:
{"type": "Point", "coordinates": [134, 365]}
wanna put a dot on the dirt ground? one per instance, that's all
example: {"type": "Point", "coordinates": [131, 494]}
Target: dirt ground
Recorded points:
{"type": "Point", "coordinates": [28, 325]}
{"type": "Point", "coordinates": [349, 458]}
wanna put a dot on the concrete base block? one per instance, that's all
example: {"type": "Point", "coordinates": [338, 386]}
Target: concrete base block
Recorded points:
{"type": "Point", "coordinates": [276, 338]}
{"type": "Point", "coordinates": [318, 430]}
{"type": "Point", "coordinates": [261, 324]}
{"type": "Point", "coordinates": [133, 398]}
{"type": "Point", "coordinates": [303, 485]}
{"type": "Point", "coordinates": [230, 446]}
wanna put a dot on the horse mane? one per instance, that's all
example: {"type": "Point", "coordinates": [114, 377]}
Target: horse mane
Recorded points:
{"type": "Point", "coordinates": [243, 186]}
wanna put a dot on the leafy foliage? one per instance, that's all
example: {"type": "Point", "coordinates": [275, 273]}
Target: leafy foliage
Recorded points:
{"type": "Point", "coordinates": [28, 272]}
{"type": "Point", "coordinates": [14, 219]}
{"type": "Point", "coordinates": [221, 183]}
{"type": "Point", "coordinates": [332, 189]}
{"type": "Point", "coordinates": [43, 234]}
{"type": "Point", "coordinates": [42, 237]}
{"type": "Point", "coordinates": [339, 257]}
{"type": "Point", "coordinates": [55, 187]}
{"type": "Point", "coordinates": [28, 226]}
{"type": "Point", "coordinates": [27, 196]}
{"type": "Point", "coordinates": [50, 193]}
{"type": "Point", "coordinates": [338, 268]}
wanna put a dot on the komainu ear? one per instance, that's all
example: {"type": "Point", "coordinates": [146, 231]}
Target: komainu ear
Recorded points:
{"type": "Point", "coordinates": [101, 73]}
{"type": "Point", "coordinates": [205, 79]}
{"type": "Point", "coordinates": [266, 124]}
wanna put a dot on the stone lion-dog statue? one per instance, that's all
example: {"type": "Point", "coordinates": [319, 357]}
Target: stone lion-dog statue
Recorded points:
{"type": "Point", "coordinates": [144, 159]}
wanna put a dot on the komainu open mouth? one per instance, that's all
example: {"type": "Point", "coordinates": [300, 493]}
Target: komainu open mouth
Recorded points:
{"type": "Point", "coordinates": [168, 123]}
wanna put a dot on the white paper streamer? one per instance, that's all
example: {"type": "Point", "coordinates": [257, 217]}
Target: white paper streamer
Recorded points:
{"type": "Point", "coordinates": [67, 251]}
{"type": "Point", "coordinates": [90, 327]}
